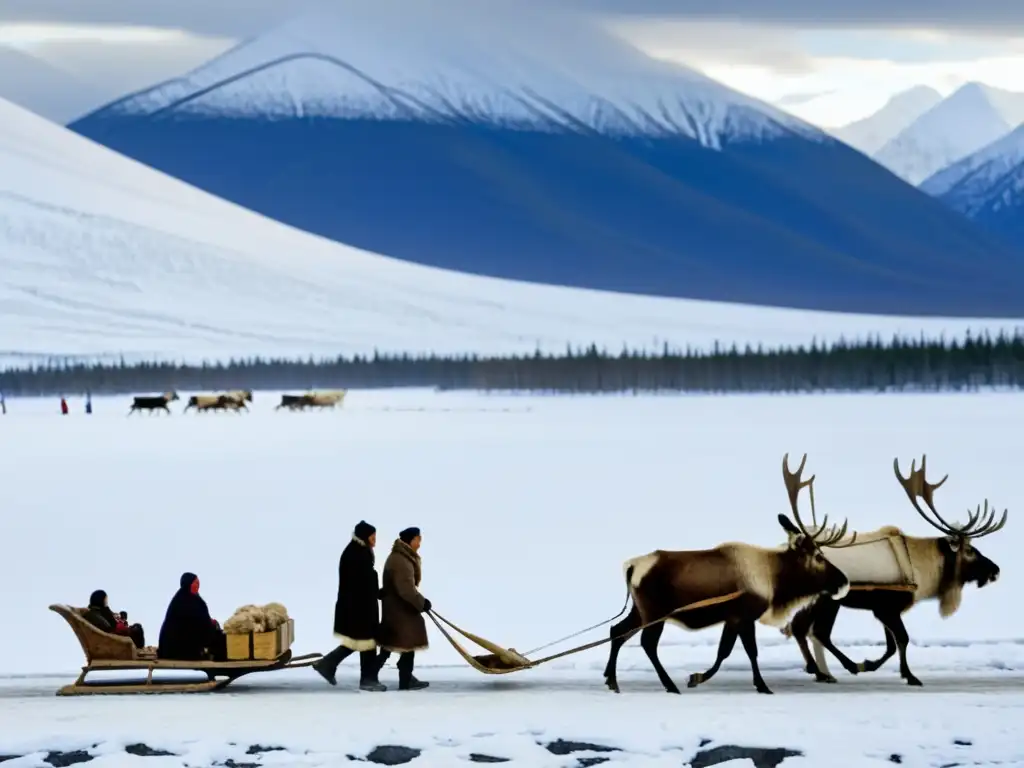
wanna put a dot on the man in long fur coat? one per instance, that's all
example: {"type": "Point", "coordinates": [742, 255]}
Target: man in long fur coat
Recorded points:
{"type": "Point", "coordinates": [402, 628]}
{"type": "Point", "coordinates": [356, 618]}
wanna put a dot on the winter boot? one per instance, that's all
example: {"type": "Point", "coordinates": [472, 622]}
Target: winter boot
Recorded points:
{"type": "Point", "coordinates": [368, 673]}
{"type": "Point", "coordinates": [406, 680]}
{"type": "Point", "coordinates": [327, 674]}
{"type": "Point", "coordinates": [410, 683]}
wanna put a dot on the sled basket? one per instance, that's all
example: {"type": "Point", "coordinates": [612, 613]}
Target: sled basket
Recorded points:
{"type": "Point", "coordinates": [499, 661]}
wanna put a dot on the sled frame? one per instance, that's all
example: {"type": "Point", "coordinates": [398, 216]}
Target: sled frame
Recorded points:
{"type": "Point", "coordinates": [106, 652]}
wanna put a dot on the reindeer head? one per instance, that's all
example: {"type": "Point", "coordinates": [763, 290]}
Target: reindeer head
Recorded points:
{"type": "Point", "coordinates": [963, 560]}
{"type": "Point", "coordinates": [804, 545]}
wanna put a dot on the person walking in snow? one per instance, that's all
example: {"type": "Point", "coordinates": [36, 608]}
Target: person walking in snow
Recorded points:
{"type": "Point", "coordinates": [356, 615]}
{"type": "Point", "coordinates": [64, 406]}
{"type": "Point", "coordinates": [402, 628]}
{"type": "Point", "coordinates": [88, 403]}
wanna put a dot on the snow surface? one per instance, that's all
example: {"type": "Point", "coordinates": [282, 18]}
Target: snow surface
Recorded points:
{"type": "Point", "coordinates": [528, 506]}
{"type": "Point", "coordinates": [869, 134]}
{"type": "Point", "coordinates": [513, 64]}
{"type": "Point", "coordinates": [968, 119]}
{"type": "Point", "coordinates": [103, 256]}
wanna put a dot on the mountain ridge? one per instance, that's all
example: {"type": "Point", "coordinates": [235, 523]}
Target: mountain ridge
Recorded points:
{"type": "Point", "coordinates": [711, 195]}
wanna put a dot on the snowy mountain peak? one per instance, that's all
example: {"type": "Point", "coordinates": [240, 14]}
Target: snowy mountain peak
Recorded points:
{"type": "Point", "coordinates": [970, 118]}
{"type": "Point", "coordinates": [456, 60]}
{"type": "Point", "coordinates": [871, 133]}
{"type": "Point", "coordinates": [986, 184]}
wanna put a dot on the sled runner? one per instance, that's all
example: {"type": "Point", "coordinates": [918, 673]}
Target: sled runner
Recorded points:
{"type": "Point", "coordinates": [501, 660]}
{"type": "Point", "coordinates": [107, 652]}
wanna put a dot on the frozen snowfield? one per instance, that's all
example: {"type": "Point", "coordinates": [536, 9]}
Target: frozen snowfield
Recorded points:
{"type": "Point", "coordinates": [528, 505]}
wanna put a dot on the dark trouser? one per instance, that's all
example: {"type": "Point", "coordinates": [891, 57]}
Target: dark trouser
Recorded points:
{"type": "Point", "coordinates": [219, 646]}
{"type": "Point", "coordinates": [406, 661]}
{"type": "Point", "coordinates": [367, 662]}
{"type": "Point", "coordinates": [137, 635]}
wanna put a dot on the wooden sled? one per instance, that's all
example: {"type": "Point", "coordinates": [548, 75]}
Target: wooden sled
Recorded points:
{"type": "Point", "coordinates": [107, 652]}
{"type": "Point", "coordinates": [501, 661]}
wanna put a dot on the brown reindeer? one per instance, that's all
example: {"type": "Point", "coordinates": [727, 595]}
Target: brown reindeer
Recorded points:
{"type": "Point", "coordinates": [312, 400]}
{"type": "Point", "coordinates": [940, 565]}
{"type": "Point", "coordinates": [234, 400]}
{"type": "Point", "coordinates": [763, 585]}
{"type": "Point", "coordinates": [153, 403]}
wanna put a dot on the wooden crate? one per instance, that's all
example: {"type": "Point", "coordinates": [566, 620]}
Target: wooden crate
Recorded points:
{"type": "Point", "coordinates": [261, 645]}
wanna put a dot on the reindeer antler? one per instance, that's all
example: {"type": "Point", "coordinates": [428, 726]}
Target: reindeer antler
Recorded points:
{"type": "Point", "coordinates": [822, 536]}
{"type": "Point", "coordinates": [979, 523]}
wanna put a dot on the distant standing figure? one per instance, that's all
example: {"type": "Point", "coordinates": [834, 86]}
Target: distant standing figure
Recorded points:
{"type": "Point", "coordinates": [88, 403]}
{"type": "Point", "coordinates": [100, 616]}
{"type": "Point", "coordinates": [402, 628]}
{"type": "Point", "coordinates": [3, 405]}
{"type": "Point", "coordinates": [189, 633]}
{"type": "Point", "coordinates": [64, 406]}
{"type": "Point", "coordinates": [356, 613]}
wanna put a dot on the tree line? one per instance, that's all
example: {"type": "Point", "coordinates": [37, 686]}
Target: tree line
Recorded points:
{"type": "Point", "coordinates": [873, 365]}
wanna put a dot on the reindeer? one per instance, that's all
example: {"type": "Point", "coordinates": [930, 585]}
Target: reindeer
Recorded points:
{"type": "Point", "coordinates": [311, 400]}
{"type": "Point", "coordinates": [940, 566]}
{"type": "Point", "coordinates": [153, 403]}
{"type": "Point", "coordinates": [234, 400]}
{"type": "Point", "coordinates": [733, 584]}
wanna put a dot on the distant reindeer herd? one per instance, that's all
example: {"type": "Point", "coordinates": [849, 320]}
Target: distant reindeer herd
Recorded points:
{"type": "Point", "coordinates": [235, 401]}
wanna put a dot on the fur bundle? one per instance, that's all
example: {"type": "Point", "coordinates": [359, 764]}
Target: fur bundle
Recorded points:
{"type": "Point", "coordinates": [256, 618]}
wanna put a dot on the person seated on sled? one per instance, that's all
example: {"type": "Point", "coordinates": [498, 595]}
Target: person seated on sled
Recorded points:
{"type": "Point", "coordinates": [100, 616]}
{"type": "Point", "coordinates": [189, 633]}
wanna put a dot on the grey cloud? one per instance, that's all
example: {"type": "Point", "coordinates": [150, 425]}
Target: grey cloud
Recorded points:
{"type": "Point", "coordinates": [717, 42]}
{"type": "Point", "coordinates": [242, 18]}
{"type": "Point", "coordinates": [795, 99]}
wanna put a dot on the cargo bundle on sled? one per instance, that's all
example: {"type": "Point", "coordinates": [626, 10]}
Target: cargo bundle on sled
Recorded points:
{"type": "Point", "coordinates": [106, 652]}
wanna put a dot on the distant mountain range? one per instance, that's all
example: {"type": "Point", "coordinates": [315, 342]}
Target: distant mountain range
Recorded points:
{"type": "Point", "coordinates": [494, 142]}
{"type": "Point", "coordinates": [872, 133]}
{"type": "Point", "coordinates": [988, 186]}
{"type": "Point", "coordinates": [967, 150]}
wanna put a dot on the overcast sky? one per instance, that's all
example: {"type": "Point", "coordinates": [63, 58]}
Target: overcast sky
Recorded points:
{"type": "Point", "coordinates": [828, 61]}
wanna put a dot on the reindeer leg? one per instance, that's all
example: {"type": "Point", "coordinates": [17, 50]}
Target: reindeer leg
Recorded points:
{"type": "Point", "coordinates": [730, 631]}
{"type": "Point", "coordinates": [649, 640]}
{"type": "Point", "coordinates": [748, 636]}
{"type": "Point", "coordinates": [894, 623]}
{"type": "Point", "coordinates": [620, 633]}
{"type": "Point", "coordinates": [799, 628]}
{"type": "Point", "coordinates": [824, 620]}
{"type": "Point", "coordinates": [890, 650]}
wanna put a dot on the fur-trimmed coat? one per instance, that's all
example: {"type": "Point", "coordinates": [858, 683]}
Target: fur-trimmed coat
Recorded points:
{"type": "Point", "coordinates": [402, 627]}
{"type": "Point", "coordinates": [356, 616]}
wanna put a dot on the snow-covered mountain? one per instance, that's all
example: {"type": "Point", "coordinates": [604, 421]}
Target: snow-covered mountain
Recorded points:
{"type": "Point", "coordinates": [511, 141]}
{"type": "Point", "coordinates": [968, 119]}
{"type": "Point", "coordinates": [101, 255]}
{"type": "Point", "coordinates": [987, 186]}
{"type": "Point", "coordinates": [36, 85]}
{"type": "Point", "coordinates": [871, 133]}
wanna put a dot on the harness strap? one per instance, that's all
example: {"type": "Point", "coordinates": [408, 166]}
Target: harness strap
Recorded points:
{"type": "Point", "coordinates": [502, 652]}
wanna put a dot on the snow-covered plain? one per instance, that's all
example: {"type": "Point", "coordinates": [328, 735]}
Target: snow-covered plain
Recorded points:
{"type": "Point", "coordinates": [103, 256]}
{"type": "Point", "coordinates": [528, 505]}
